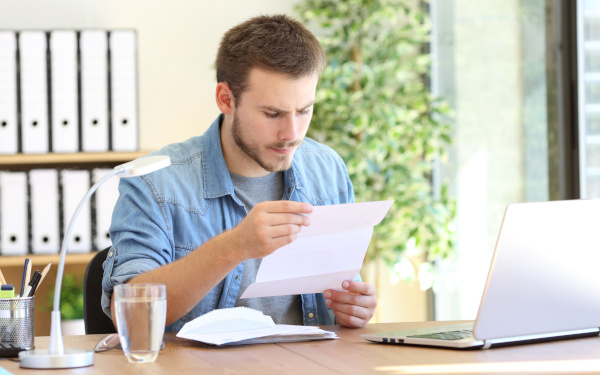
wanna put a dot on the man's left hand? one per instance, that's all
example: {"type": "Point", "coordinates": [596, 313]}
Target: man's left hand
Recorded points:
{"type": "Point", "coordinates": [355, 306]}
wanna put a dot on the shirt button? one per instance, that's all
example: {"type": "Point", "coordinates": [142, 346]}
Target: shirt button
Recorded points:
{"type": "Point", "coordinates": [110, 254]}
{"type": "Point", "coordinates": [311, 315]}
{"type": "Point", "coordinates": [237, 277]}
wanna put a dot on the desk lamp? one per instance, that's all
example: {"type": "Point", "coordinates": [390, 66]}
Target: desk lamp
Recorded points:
{"type": "Point", "coordinates": [56, 356]}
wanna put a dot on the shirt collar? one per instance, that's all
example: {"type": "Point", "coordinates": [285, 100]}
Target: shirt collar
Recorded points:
{"type": "Point", "coordinates": [217, 181]}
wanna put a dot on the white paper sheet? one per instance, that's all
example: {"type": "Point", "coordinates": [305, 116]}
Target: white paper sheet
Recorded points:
{"type": "Point", "coordinates": [276, 333]}
{"type": "Point", "coordinates": [327, 252]}
{"type": "Point", "coordinates": [241, 325]}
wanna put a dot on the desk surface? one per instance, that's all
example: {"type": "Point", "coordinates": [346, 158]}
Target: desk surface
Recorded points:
{"type": "Point", "coordinates": [349, 355]}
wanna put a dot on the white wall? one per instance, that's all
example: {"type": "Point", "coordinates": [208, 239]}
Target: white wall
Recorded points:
{"type": "Point", "coordinates": [178, 40]}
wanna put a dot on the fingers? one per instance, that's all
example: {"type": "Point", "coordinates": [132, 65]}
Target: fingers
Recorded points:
{"type": "Point", "coordinates": [285, 206]}
{"type": "Point", "coordinates": [285, 219]}
{"type": "Point", "coordinates": [355, 306]}
{"type": "Point", "coordinates": [358, 293]}
{"type": "Point", "coordinates": [284, 230]}
{"type": "Point", "coordinates": [269, 226]}
{"type": "Point", "coordinates": [278, 242]}
{"type": "Point", "coordinates": [358, 287]}
{"type": "Point", "coordinates": [357, 311]}
{"type": "Point", "coordinates": [350, 321]}
{"type": "Point", "coordinates": [281, 213]}
{"type": "Point", "coordinates": [350, 302]}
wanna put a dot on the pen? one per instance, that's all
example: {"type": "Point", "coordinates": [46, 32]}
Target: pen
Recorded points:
{"type": "Point", "coordinates": [25, 277]}
{"type": "Point", "coordinates": [28, 275]}
{"type": "Point", "coordinates": [31, 287]}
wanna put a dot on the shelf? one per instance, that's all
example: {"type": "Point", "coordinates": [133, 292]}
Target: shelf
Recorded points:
{"type": "Point", "coordinates": [43, 259]}
{"type": "Point", "coordinates": [78, 159]}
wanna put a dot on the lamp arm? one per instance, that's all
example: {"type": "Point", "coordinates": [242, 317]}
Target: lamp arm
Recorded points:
{"type": "Point", "coordinates": [57, 357]}
{"type": "Point", "coordinates": [56, 344]}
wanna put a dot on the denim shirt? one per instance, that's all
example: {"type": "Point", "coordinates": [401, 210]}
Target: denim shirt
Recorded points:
{"type": "Point", "coordinates": [165, 215]}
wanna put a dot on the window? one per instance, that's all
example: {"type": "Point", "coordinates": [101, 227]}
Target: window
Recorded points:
{"type": "Point", "coordinates": [490, 64]}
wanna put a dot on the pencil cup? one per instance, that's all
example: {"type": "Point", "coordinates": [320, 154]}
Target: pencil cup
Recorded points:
{"type": "Point", "coordinates": [141, 311]}
{"type": "Point", "coordinates": [16, 322]}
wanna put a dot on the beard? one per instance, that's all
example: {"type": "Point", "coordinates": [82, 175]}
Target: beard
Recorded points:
{"type": "Point", "coordinates": [256, 152]}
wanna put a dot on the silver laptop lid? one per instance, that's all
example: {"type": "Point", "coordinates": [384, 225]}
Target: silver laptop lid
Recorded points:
{"type": "Point", "coordinates": [545, 273]}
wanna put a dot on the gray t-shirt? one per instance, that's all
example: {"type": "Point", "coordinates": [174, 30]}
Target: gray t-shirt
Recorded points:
{"type": "Point", "coordinates": [253, 190]}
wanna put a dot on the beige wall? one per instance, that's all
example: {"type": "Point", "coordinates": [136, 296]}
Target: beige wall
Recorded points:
{"type": "Point", "coordinates": [396, 301]}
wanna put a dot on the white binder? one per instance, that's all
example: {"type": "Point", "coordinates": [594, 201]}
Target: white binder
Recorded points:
{"type": "Point", "coordinates": [106, 198]}
{"type": "Point", "coordinates": [8, 93]}
{"type": "Point", "coordinates": [45, 230]}
{"type": "Point", "coordinates": [94, 90]}
{"type": "Point", "coordinates": [75, 185]}
{"type": "Point", "coordinates": [63, 67]}
{"type": "Point", "coordinates": [34, 98]}
{"type": "Point", "coordinates": [14, 232]}
{"type": "Point", "coordinates": [123, 70]}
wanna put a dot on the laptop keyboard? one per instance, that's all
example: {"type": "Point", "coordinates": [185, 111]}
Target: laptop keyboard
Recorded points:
{"type": "Point", "coordinates": [9, 350]}
{"type": "Point", "coordinates": [450, 335]}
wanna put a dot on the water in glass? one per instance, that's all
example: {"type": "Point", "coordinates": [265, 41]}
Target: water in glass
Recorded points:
{"type": "Point", "coordinates": [141, 311]}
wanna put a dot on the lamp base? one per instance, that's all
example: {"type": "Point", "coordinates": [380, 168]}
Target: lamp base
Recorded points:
{"type": "Point", "coordinates": [43, 359]}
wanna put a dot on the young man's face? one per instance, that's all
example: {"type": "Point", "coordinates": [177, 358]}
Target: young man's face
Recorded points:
{"type": "Point", "coordinates": [270, 121]}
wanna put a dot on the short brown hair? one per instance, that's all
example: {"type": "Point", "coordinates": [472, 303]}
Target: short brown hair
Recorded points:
{"type": "Point", "coordinates": [275, 43]}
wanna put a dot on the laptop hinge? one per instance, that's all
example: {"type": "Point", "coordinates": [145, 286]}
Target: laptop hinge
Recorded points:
{"type": "Point", "coordinates": [486, 344]}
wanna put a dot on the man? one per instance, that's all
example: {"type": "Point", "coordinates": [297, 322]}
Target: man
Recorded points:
{"type": "Point", "coordinates": [240, 191]}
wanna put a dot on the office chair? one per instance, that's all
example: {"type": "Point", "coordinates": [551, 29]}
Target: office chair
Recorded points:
{"type": "Point", "coordinates": [94, 318]}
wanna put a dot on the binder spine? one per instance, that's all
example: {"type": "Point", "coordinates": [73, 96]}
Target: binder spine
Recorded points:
{"type": "Point", "coordinates": [8, 93]}
{"type": "Point", "coordinates": [79, 105]}
{"type": "Point", "coordinates": [13, 213]}
{"type": "Point", "coordinates": [124, 98]}
{"type": "Point", "coordinates": [49, 91]}
{"type": "Point", "coordinates": [109, 93]}
{"type": "Point", "coordinates": [19, 95]}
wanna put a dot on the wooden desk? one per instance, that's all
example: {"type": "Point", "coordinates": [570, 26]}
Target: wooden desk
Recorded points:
{"type": "Point", "coordinates": [349, 355]}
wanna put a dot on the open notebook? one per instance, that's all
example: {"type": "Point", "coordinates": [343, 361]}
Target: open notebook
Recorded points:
{"type": "Point", "coordinates": [543, 282]}
{"type": "Point", "coordinates": [242, 325]}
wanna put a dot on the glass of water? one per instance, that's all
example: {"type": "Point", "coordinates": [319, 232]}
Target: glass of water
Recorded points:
{"type": "Point", "coordinates": [141, 311]}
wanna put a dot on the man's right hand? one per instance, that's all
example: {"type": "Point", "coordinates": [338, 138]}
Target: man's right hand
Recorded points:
{"type": "Point", "coordinates": [269, 226]}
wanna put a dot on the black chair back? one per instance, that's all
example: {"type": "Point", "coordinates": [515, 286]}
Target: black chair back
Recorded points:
{"type": "Point", "coordinates": [94, 318]}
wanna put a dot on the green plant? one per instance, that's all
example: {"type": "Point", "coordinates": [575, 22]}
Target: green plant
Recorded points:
{"type": "Point", "coordinates": [71, 298]}
{"type": "Point", "coordinates": [375, 109]}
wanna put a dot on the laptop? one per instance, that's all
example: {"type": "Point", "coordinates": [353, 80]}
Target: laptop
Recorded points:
{"type": "Point", "coordinates": [543, 283]}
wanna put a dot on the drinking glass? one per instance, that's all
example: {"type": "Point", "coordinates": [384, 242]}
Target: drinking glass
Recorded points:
{"type": "Point", "coordinates": [141, 311]}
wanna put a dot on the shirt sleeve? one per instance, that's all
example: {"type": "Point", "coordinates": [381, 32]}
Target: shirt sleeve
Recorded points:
{"type": "Point", "coordinates": [141, 239]}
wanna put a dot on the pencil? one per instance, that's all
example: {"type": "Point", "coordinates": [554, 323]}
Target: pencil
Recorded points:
{"type": "Point", "coordinates": [44, 272]}
{"type": "Point", "coordinates": [2, 279]}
